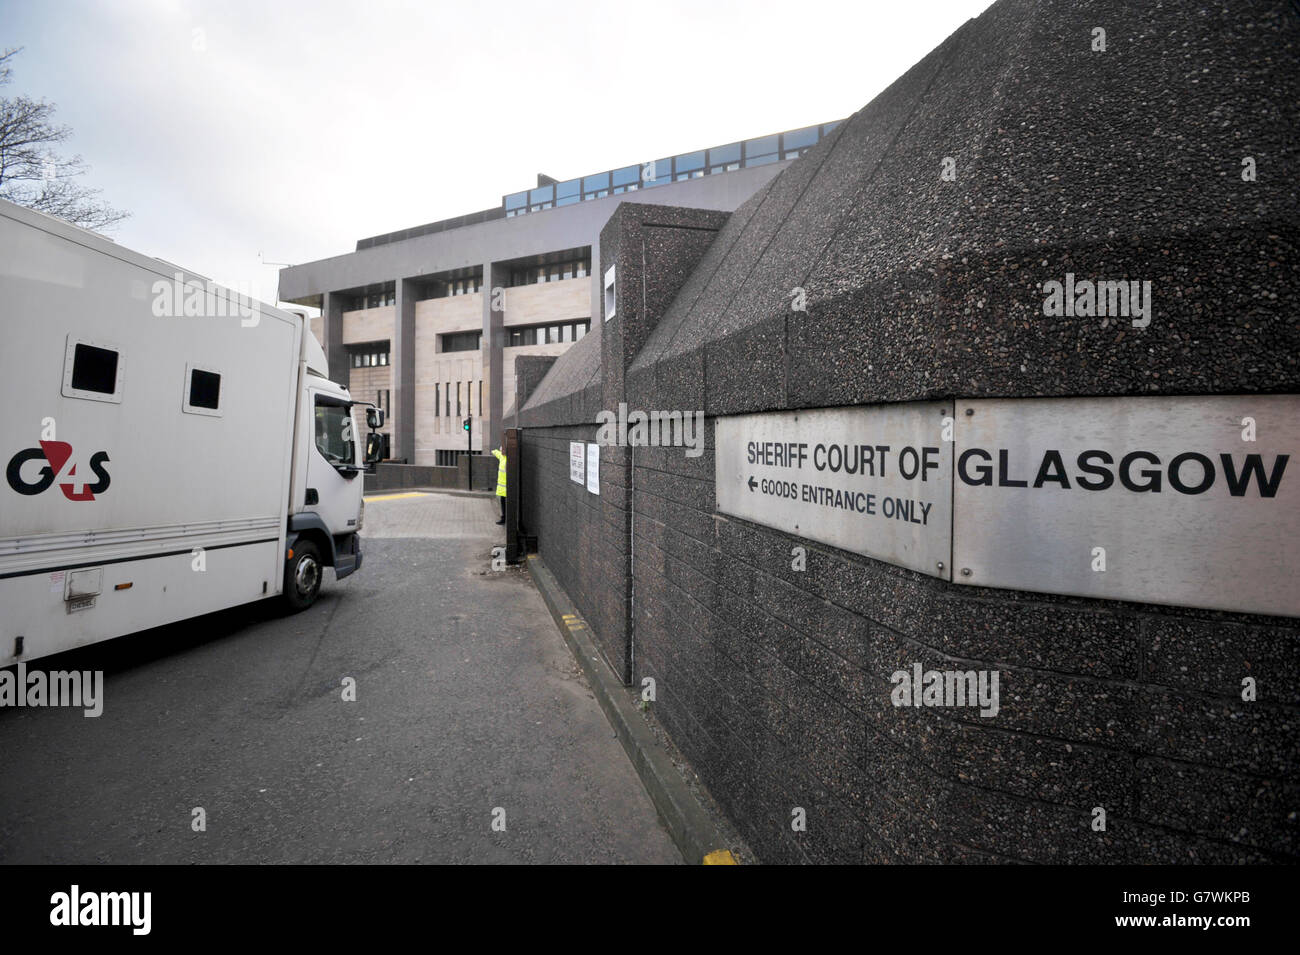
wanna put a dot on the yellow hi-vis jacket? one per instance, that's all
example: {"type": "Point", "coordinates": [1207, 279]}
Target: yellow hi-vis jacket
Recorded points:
{"type": "Point", "coordinates": [501, 471]}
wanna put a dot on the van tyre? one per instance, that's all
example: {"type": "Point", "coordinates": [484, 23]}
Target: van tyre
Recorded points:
{"type": "Point", "coordinates": [302, 576]}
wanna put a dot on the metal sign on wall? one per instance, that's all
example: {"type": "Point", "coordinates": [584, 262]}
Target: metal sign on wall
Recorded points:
{"type": "Point", "coordinates": [872, 480]}
{"type": "Point", "coordinates": [1193, 502]}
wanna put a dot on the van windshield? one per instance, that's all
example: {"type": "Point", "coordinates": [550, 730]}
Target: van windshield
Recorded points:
{"type": "Point", "coordinates": [334, 433]}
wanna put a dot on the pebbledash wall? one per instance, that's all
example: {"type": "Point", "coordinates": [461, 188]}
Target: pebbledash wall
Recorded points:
{"type": "Point", "coordinates": [775, 682]}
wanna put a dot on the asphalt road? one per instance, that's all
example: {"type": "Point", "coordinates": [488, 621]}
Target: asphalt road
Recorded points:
{"type": "Point", "coordinates": [467, 701]}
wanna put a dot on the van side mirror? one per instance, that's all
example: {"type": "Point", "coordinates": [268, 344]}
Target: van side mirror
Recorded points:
{"type": "Point", "coordinates": [374, 447]}
{"type": "Point", "coordinates": [374, 418]}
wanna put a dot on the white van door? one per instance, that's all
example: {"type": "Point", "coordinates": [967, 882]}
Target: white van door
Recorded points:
{"type": "Point", "coordinates": [333, 476]}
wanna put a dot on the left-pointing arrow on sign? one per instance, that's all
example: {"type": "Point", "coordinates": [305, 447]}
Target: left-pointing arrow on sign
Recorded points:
{"type": "Point", "coordinates": [752, 482]}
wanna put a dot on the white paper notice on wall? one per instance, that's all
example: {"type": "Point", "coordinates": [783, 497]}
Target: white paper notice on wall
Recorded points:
{"type": "Point", "coordinates": [593, 468]}
{"type": "Point", "coordinates": [577, 462]}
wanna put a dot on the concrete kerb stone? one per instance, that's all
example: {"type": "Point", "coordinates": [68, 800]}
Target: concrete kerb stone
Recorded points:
{"type": "Point", "coordinates": [687, 821]}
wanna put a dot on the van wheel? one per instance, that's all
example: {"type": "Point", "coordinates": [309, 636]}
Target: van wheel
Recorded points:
{"type": "Point", "coordinates": [302, 576]}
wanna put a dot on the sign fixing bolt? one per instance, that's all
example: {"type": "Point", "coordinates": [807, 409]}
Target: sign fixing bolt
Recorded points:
{"type": "Point", "coordinates": [965, 571]}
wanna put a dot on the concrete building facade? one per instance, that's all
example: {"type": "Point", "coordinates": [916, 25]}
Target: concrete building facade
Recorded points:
{"type": "Point", "coordinates": [410, 319]}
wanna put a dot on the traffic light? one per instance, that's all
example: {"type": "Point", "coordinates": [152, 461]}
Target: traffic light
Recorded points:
{"type": "Point", "coordinates": [465, 424]}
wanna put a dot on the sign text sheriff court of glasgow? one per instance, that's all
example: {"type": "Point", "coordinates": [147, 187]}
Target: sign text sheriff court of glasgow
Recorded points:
{"type": "Point", "coordinates": [1185, 501]}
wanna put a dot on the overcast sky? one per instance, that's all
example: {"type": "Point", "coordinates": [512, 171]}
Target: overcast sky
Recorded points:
{"type": "Point", "coordinates": [289, 129]}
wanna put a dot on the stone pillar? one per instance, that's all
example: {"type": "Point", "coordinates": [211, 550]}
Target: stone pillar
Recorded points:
{"type": "Point", "coordinates": [495, 278]}
{"type": "Point", "coordinates": [332, 333]}
{"type": "Point", "coordinates": [652, 250]}
{"type": "Point", "coordinates": [403, 365]}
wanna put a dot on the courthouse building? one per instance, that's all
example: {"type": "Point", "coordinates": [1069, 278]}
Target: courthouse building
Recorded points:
{"type": "Point", "coordinates": [407, 318]}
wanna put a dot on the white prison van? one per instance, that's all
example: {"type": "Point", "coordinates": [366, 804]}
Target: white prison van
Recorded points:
{"type": "Point", "coordinates": [170, 448]}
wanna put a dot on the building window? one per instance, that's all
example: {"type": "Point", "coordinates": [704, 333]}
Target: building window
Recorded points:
{"type": "Point", "coordinates": [462, 341]}
{"type": "Point", "coordinates": [595, 187]}
{"type": "Point", "coordinates": [369, 356]}
{"type": "Point", "coordinates": [728, 158]}
{"type": "Point", "coordinates": [657, 173]}
{"type": "Point", "coordinates": [558, 272]}
{"type": "Point", "coordinates": [761, 151]}
{"type": "Point", "coordinates": [465, 286]}
{"type": "Point", "coordinates": [724, 158]}
{"type": "Point", "coordinates": [799, 141]}
{"type": "Point", "coordinates": [567, 193]}
{"type": "Point", "coordinates": [205, 389]}
{"type": "Point", "coordinates": [437, 400]}
{"type": "Point", "coordinates": [202, 391]}
{"type": "Point", "coordinates": [626, 179]}
{"type": "Point", "coordinates": [557, 334]}
{"type": "Point", "coordinates": [689, 165]}
{"type": "Point", "coordinates": [543, 197]}
{"type": "Point", "coordinates": [93, 371]}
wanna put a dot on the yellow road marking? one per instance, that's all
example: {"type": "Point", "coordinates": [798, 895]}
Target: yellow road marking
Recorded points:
{"type": "Point", "coordinates": [396, 497]}
{"type": "Point", "coordinates": [720, 857]}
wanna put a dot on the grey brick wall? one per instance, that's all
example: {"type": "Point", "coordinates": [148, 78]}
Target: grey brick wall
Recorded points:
{"type": "Point", "coordinates": [774, 682]}
{"type": "Point", "coordinates": [580, 534]}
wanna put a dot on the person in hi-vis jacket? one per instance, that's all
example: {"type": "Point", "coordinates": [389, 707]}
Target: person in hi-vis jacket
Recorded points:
{"type": "Point", "coordinates": [501, 481]}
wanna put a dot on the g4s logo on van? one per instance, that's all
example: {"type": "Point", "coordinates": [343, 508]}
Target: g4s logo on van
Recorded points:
{"type": "Point", "coordinates": [60, 467]}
